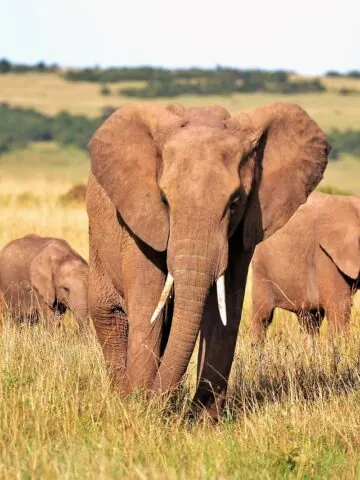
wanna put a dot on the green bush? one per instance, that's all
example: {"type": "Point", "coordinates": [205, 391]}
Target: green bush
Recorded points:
{"type": "Point", "coordinates": [20, 126]}
{"type": "Point", "coordinates": [347, 141]}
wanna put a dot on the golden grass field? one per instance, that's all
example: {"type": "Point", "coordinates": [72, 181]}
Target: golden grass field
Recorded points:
{"type": "Point", "coordinates": [292, 413]}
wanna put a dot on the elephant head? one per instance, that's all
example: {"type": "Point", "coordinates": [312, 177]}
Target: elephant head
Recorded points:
{"type": "Point", "coordinates": [184, 181]}
{"type": "Point", "coordinates": [60, 276]}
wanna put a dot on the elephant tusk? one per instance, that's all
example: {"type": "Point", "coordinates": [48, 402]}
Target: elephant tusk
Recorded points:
{"type": "Point", "coordinates": [220, 290]}
{"type": "Point", "coordinates": [165, 294]}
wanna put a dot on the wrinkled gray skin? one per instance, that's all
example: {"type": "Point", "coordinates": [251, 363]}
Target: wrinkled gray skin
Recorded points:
{"type": "Point", "coordinates": [43, 276]}
{"type": "Point", "coordinates": [310, 267]}
{"type": "Point", "coordinates": [187, 192]}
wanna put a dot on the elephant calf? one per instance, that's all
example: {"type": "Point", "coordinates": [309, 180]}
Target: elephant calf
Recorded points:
{"type": "Point", "coordinates": [43, 276]}
{"type": "Point", "coordinates": [310, 266]}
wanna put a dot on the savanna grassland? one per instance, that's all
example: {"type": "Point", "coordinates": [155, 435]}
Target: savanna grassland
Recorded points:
{"type": "Point", "coordinates": [293, 412]}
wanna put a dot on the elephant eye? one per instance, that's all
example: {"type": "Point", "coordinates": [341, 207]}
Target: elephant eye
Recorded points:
{"type": "Point", "coordinates": [254, 153]}
{"type": "Point", "coordinates": [235, 201]}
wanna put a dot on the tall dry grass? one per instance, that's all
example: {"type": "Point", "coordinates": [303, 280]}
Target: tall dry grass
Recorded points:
{"type": "Point", "coordinates": [293, 411]}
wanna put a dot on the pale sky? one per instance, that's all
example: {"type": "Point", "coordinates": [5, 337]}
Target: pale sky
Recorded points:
{"type": "Point", "coordinates": [308, 36]}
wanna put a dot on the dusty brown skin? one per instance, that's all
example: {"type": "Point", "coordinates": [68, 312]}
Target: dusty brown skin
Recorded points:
{"type": "Point", "coordinates": [43, 276]}
{"type": "Point", "coordinates": [311, 266]}
{"type": "Point", "coordinates": [189, 192]}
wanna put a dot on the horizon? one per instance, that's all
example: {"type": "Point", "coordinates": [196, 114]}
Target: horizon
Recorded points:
{"type": "Point", "coordinates": [166, 67]}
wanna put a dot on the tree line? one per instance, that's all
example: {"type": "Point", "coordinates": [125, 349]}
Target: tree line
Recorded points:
{"type": "Point", "coordinates": [20, 126]}
{"type": "Point", "coordinates": [349, 74]}
{"type": "Point", "coordinates": [163, 82]}
{"type": "Point", "coordinates": [8, 67]}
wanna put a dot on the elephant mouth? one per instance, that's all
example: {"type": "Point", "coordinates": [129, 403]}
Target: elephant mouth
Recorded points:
{"type": "Point", "coordinates": [168, 292]}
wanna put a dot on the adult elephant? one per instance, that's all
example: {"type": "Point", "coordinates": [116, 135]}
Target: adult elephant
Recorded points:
{"type": "Point", "coordinates": [43, 276]}
{"type": "Point", "coordinates": [177, 200]}
{"type": "Point", "coordinates": [310, 267]}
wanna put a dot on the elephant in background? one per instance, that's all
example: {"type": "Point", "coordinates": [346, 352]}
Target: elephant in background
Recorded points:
{"type": "Point", "coordinates": [310, 267]}
{"type": "Point", "coordinates": [43, 276]}
{"type": "Point", "coordinates": [177, 200]}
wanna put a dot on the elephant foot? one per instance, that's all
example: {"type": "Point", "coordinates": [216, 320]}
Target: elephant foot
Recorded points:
{"type": "Point", "coordinates": [208, 403]}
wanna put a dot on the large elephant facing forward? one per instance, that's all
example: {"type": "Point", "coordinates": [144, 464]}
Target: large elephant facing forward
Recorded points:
{"type": "Point", "coordinates": [43, 277]}
{"type": "Point", "coordinates": [311, 266]}
{"type": "Point", "coordinates": [177, 201]}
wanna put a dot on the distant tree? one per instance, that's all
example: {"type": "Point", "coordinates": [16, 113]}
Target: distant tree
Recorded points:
{"type": "Point", "coordinates": [105, 90]}
{"type": "Point", "coordinates": [333, 73]}
{"type": "Point", "coordinates": [40, 67]}
{"type": "Point", "coordinates": [354, 74]}
{"type": "Point", "coordinates": [5, 66]}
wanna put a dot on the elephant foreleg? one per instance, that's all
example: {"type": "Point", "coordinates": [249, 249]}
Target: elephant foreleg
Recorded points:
{"type": "Point", "coordinates": [217, 342]}
{"type": "Point", "coordinates": [338, 315]}
{"type": "Point", "coordinates": [336, 300]}
{"type": "Point", "coordinates": [111, 326]}
{"type": "Point", "coordinates": [262, 319]}
{"type": "Point", "coordinates": [144, 283]}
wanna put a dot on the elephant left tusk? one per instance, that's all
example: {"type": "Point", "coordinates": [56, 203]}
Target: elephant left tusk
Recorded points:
{"type": "Point", "coordinates": [163, 297]}
{"type": "Point", "coordinates": [220, 290]}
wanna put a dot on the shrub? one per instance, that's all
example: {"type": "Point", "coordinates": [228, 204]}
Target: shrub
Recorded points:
{"type": "Point", "coordinates": [76, 194]}
{"type": "Point", "coordinates": [105, 90]}
{"type": "Point", "coordinates": [347, 91]}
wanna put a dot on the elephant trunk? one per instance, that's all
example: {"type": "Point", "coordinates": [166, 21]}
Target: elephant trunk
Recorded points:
{"type": "Point", "coordinates": [80, 310]}
{"type": "Point", "coordinates": [81, 315]}
{"type": "Point", "coordinates": [193, 274]}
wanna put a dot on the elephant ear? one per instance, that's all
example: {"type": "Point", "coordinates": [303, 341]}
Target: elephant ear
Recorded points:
{"type": "Point", "coordinates": [291, 155]}
{"type": "Point", "coordinates": [124, 154]}
{"type": "Point", "coordinates": [42, 272]}
{"type": "Point", "coordinates": [342, 245]}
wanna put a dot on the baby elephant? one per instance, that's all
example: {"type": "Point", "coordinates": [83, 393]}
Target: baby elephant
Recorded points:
{"type": "Point", "coordinates": [43, 276]}
{"type": "Point", "coordinates": [310, 266]}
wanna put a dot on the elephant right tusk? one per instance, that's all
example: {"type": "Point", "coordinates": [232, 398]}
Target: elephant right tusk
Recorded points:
{"type": "Point", "coordinates": [220, 290]}
{"type": "Point", "coordinates": [165, 294]}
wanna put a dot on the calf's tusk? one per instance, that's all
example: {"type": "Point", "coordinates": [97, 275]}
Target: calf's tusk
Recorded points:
{"type": "Point", "coordinates": [165, 294]}
{"type": "Point", "coordinates": [220, 290]}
